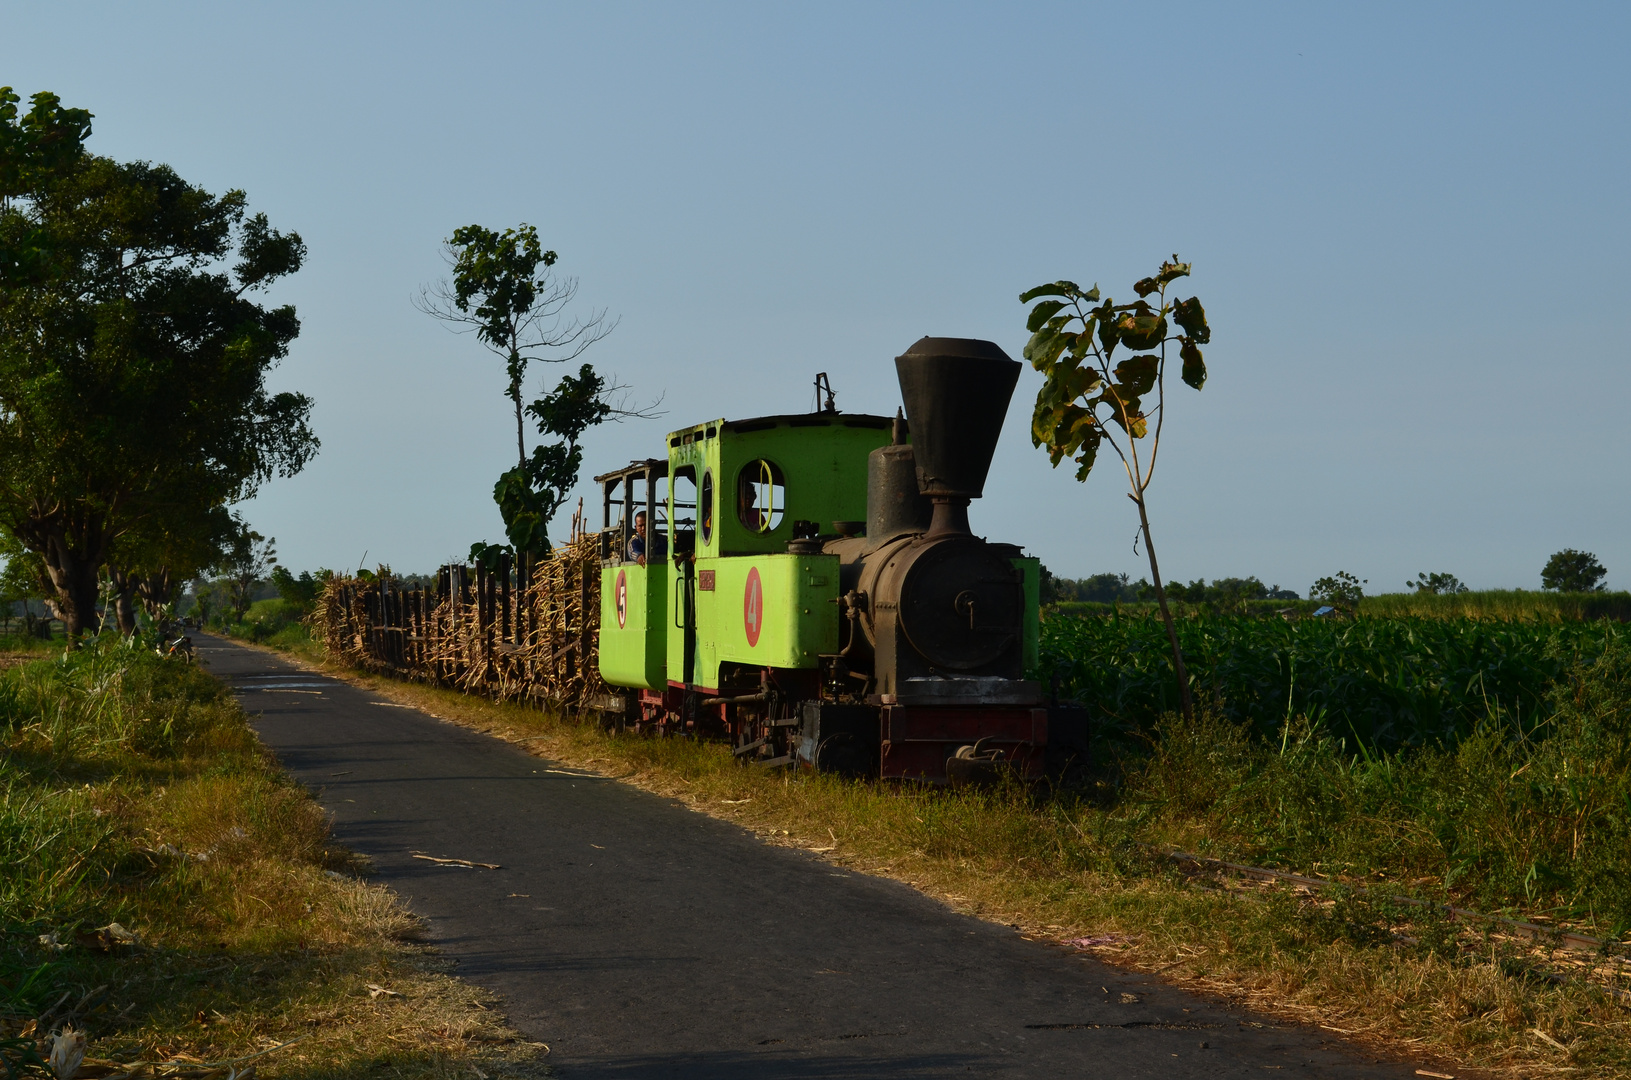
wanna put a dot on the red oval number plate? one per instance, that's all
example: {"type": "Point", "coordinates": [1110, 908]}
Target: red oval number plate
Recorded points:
{"type": "Point", "coordinates": [622, 595]}
{"type": "Point", "coordinates": [753, 607]}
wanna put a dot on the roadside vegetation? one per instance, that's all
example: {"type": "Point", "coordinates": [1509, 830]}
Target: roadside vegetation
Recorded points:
{"type": "Point", "coordinates": [174, 897]}
{"type": "Point", "coordinates": [1526, 822]}
{"type": "Point", "coordinates": [1509, 605]}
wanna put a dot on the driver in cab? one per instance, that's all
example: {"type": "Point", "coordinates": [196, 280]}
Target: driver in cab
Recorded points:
{"type": "Point", "coordinates": [638, 543]}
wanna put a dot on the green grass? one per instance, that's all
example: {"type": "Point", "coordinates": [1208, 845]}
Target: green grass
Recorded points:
{"type": "Point", "coordinates": [16, 645]}
{"type": "Point", "coordinates": [1489, 761]}
{"type": "Point", "coordinates": [1533, 822]}
{"type": "Point", "coordinates": [132, 791]}
{"type": "Point", "coordinates": [276, 622]}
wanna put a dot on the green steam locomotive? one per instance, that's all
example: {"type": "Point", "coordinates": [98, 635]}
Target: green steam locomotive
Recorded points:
{"type": "Point", "coordinates": [808, 587]}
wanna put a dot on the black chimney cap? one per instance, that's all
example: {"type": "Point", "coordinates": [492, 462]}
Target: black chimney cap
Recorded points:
{"type": "Point", "coordinates": [956, 392]}
{"type": "Point", "coordinates": [977, 348]}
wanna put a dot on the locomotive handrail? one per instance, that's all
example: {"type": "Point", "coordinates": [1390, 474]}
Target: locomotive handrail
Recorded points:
{"type": "Point", "coordinates": [769, 480]}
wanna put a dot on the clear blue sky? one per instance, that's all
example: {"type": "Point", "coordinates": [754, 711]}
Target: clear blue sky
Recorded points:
{"type": "Point", "coordinates": [1409, 226]}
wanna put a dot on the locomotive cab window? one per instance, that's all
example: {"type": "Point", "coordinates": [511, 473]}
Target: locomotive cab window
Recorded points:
{"type": "Point", "coordinates": [658, 529]}
{"type": "Point", "coordinates": [654, 544]}
{"type": "Point", "coordinates": [705, 509]}
{"type": "Point", "coordinates": [683, 522]}
{"type": "Point", "coordinates": [761, 496]}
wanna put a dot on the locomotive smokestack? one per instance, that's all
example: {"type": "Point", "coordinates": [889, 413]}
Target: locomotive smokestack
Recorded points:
{"type": "Point", "coordinates": [956, 392]}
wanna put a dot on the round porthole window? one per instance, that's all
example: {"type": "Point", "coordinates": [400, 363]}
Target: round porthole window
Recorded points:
{"type": "Point", "coordinates": [761, 496]}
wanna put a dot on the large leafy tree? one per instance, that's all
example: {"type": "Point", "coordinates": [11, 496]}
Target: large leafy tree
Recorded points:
{"type": "Point", "coordinates": [529, 496]}
{"type": "Point", "coordinates": [503, 290]}
{"type": "Point", "coordinates": [1573, 571]}
{"type": "Point", "coordinates": [1436, 584]}
{"type": "Point", "coordinates": [1087, 402]}
{"type": "Point", "coordinates": [133, 359]}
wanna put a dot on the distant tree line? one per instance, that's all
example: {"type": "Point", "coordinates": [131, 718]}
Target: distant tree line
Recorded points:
{"type": "Point", "coordinates": [1567, 571]}
{"type": "Point", "coordinates": [1119, 588]}
{"type": "Point", "coordinates": [134, 409]}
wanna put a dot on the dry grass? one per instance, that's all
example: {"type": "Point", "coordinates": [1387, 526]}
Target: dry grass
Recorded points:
{"type": "Point", "coordinates": [1396, 980]}
{"type": "Point", "coordinates": [363, 1000]}
{"type": "Point", "coordinates": [1520, 605]}
{"type": "Point", "coordinates": [147, 809]}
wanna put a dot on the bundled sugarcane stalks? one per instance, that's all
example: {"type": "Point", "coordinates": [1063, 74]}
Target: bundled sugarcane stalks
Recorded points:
{"type": "Point", "coordinates": [507, 632]}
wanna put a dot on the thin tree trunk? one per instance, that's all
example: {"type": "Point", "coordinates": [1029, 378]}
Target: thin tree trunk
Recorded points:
{"type": "Point", "coordinates": [520, 427]}
{"type": "Point", "coordinates": [124, 604]}
{"type": "Point", "coordinates": [1166, 614]}
{"type": "Point", "coordinates": [156, 591]}
{"type": "Point", "coordinates": [520, 437]}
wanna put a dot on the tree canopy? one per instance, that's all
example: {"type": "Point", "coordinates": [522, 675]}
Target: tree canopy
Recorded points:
{"type": "Point", "coordinates": [133, 357]}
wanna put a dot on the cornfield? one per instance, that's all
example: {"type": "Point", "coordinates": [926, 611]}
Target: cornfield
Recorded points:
{"type": "Point", "coordinates": [484, 631]}
{"type": "Point", "coordinates": [1381, 683]}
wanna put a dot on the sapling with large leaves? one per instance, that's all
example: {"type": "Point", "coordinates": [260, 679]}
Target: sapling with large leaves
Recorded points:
{"type": "Point", "coordinates": [1090, 400]}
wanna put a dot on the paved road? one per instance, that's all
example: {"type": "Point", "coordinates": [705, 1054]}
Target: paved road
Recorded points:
{"type": "Point", "coordinates": [640, 939]}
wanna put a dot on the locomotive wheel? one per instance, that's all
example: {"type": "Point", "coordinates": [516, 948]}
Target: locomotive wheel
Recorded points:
{"type": "Point", "coordinates": [844, 755]}
{"type": "Point", "coordinates": [758, 739]}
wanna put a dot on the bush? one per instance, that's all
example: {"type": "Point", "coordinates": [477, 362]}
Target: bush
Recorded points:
{"type": "Point", "coordinates": [266, 619]}
{"type": "Point", "coordinates": [1341, 590]}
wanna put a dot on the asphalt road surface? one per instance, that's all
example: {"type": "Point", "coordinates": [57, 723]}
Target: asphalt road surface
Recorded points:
{"type": "Point", "coordinates": [640, 939]}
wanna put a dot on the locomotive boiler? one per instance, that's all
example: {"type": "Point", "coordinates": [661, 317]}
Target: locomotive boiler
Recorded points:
{"type": "Point", "coordinates": [808, 587]}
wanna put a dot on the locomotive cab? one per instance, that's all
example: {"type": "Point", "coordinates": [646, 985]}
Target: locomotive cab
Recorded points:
{"type": "Point", "coordinates": [634, 575]}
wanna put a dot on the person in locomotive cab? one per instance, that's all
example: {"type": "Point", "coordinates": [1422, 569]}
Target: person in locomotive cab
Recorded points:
{"type": "Point", "coordinates": [747, 505]}
{"type": "Point", "coordinates": [638, 542]}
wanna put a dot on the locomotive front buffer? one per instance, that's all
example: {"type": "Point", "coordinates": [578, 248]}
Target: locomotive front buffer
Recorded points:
{"type": "Point", "coordinates": [807, 586]}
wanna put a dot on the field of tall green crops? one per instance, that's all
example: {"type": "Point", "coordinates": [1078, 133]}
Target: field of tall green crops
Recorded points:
{"type": "Point", "coordinates": [1380, 683]}
{"type": "Point", "coordinates": [1501, 605]}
